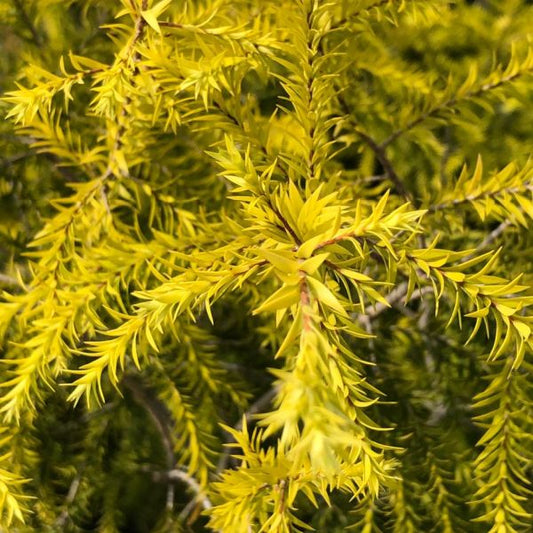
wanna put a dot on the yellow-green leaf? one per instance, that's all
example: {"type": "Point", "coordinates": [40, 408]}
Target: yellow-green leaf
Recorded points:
{"type": "Point", "coordinates": [285, 297]}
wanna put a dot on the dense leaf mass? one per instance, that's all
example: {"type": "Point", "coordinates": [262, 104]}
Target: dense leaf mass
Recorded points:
{"type": "Point", "coordinates": [266, 266]}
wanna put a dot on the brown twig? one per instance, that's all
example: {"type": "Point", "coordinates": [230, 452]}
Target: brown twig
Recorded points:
{"type": "Point", "coordinates": [379, 152]}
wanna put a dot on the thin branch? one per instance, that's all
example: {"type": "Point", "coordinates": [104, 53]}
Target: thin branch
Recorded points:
{"type": "Point", "coordinates": [139, 28]}
{"type": "Point", "coordinates": [353, 16]}
{"type": "Point", "coordinates": [19, 6]}
{"type": "Point", "coordinates": [8, 161]}
{"type": "Point", "coordinates": [528, 186]}
{"type": "Point", "coordinates": [489, 239]}
{"type": "Point", "coordinates": [372, 179]}
{"type": "Point", "coordinates": [283, 220]}
{"type": "Point", "coordinates": [71, 495]}
{"type": "Point", "coordinates": [255, 408]}
{"type": "Point", "coordinates": [284, 223]}
{"type": "Point", "coordinates": [385, 162]}
{"type": "Point", "coordinates": [180, 475]}
{"type": "Point", "coordinates": [372, 311]}
{"type": "Point", "coordinates": [157, 412]}
{"type": "Point", "coordinates": [379, 152]}
{"type": "Point", "coordinates": [258, 405]}
{"type": "Point", "coordinates": [161, 419]}
{"type": "Point", "coordinates": [9, 280]}
{"type": "Point", "coordinates": [176, 474]}
{"type": "Point", "coordinates": [494, 234]}
{"type": "Point", "coordinates": [450, 103]}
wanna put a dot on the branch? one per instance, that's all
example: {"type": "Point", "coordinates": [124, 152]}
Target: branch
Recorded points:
{"type": "Point", "coordinates": [284, 223]}
{"type": "Point", "coordinates": [157, 412]}
{"type": "Point", "coordinates": [255, 408]}
{"type": "Point", "coordinates": [159, 415]}
{"type": "Point", "coordinates": [8, 161]}
{"type": "Point", "coordinates": [372, 311]}
{"type": "Point", "coordinates": [9, 280]}
{"type": "Point", "coordinates": [494, 234]}
{"type": "Point", "coordinates": [379, 152]}
{"type": "Point", "coordinates": [489, 239]}
{"type": "Point", "coordinates": [28, 22]}
{"type": "Point", "coordinates": [71, 495]}
{"type": "Point", "coordinates": [175, 474]}
{"type": "Point", "coordinates": [180, 475]}
{"type": "Point", "coordinates": [352, 16]}
{"type": "Point", "coordinates": [139, 29]}
{"type": "Point", "coordinates": [450, 103]}
{"type": "Point", "coordinates": [528, 185]}
{"type": "Point", "coordinates": [385, 162]}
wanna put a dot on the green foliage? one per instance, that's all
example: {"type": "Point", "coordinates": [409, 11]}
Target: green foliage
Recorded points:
{"type": "Point", "coordinates": [255, 276]}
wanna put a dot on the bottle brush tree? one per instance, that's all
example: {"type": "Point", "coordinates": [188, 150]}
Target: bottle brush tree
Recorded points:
{"type": "Point", "coordinates": [266, 266]}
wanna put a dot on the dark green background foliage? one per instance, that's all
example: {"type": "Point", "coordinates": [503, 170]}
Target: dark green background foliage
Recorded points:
{"type": "Point", "coordinates": [276, 223]}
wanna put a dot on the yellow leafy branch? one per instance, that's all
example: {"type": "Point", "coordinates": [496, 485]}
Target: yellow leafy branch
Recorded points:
{"type": "Point", "coordinates": [502, 194]}
{"type": "Point", "coordinates": [469, 92]}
